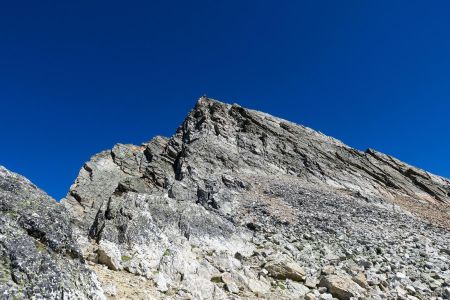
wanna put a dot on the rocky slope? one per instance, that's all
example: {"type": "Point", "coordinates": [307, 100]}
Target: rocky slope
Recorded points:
{"type": "Point", "coordinates": [39, 257]}
{"type": "Point", "coordinates": [239, 204]}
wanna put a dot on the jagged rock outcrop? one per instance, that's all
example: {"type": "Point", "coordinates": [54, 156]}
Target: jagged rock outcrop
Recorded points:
{"type": "Point", "coordinates": [238, 204]}
{"type": "Point", "coordinates": [39, 257]}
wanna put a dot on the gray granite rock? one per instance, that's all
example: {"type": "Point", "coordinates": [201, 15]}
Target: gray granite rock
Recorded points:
{"type": "Point", "coordinates": [39, 257]}
{"type": "Point", "coordinates": [238, 204]}
{"type": "Point", "coordinates": [242, 193]}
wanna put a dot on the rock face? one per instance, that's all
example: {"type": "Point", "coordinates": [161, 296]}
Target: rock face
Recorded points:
{"type": "Point", "coordinates": [39, 257]}
{"type": "Point", "coordinates": [238, 204]}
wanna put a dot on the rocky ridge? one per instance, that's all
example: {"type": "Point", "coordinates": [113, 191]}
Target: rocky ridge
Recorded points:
{"type": "Point", "coordinates": [239, 204]}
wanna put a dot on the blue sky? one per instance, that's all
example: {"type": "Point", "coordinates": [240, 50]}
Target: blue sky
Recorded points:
{"type": "Point", "coordinates": [76, 77]}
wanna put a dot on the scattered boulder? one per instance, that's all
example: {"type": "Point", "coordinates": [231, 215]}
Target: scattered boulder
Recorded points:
{"type": "Point", "coordinates": [109, 255]}
{"type": "Point", "coordinates": [230, 283]}
{"type": "Point", "coordinates": [341, 287]}
{"type": "Point", "coordinates": [361, 279]}
{"type": "Point", "coordinates": [285, 270]}
{"type": "Point", "coordinates": [258, 287]}
{"type": "Point", "coordinates": [298, 289]}
{"type": "Point", "coordinates": [311, 282]}
{"type": "Point", "coordinates": [310, 296]}
{"type": "Point", "coordinates": [232, 287]}
{"type": "Point", "coordinates": [328, 270]}
{"type": "Point", "coordinates": [161, 283]}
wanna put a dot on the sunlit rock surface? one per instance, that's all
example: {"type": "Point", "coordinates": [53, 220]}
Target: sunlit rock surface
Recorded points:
{"type": "Point", "coordinates": [39, 257]}
{"type": "Point", "coordinates": [238, 204]}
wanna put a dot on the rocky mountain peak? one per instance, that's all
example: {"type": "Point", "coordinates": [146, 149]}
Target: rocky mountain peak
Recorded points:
{"type": "Point", "coordinates": [238, 204]}
{"type": "Point", "coordinates": [272, 145]}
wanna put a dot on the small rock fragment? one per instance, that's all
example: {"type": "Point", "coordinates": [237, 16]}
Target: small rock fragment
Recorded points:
{"type": "Point", "coordinates": [310, 296]}
{"type": "Point", "coordinates": [161, 283]}
{"type": "Point", "coordinates": [232, 288]}
{"type": "Point", "coordinates": [361, 279]}
{"type": "Point", "coordinates": [328, 270]}
{"type": "Point", "coordinates": [109, 255]}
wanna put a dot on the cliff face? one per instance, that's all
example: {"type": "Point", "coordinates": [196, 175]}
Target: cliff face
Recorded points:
{"type": "Point", "coordinates": [39, 257]}
{"type": "Point", "coordinates": [241, 204]}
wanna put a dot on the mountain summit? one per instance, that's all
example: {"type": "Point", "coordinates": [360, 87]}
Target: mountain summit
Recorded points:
{"type": "Point", "coordinates": [238, 204]}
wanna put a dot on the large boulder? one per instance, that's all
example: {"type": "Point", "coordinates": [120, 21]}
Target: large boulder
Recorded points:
{"type": "Point", "coordinates": [285, 270]}
{"type": "Point", "coordinates": [341, 287]}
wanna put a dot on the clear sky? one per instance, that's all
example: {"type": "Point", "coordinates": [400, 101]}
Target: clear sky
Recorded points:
{"type": "Point", "coordinates": [76, 77]}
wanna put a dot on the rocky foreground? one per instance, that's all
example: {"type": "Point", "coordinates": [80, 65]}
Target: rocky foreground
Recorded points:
{"type": "Point", "coordinates": [237, 204]}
